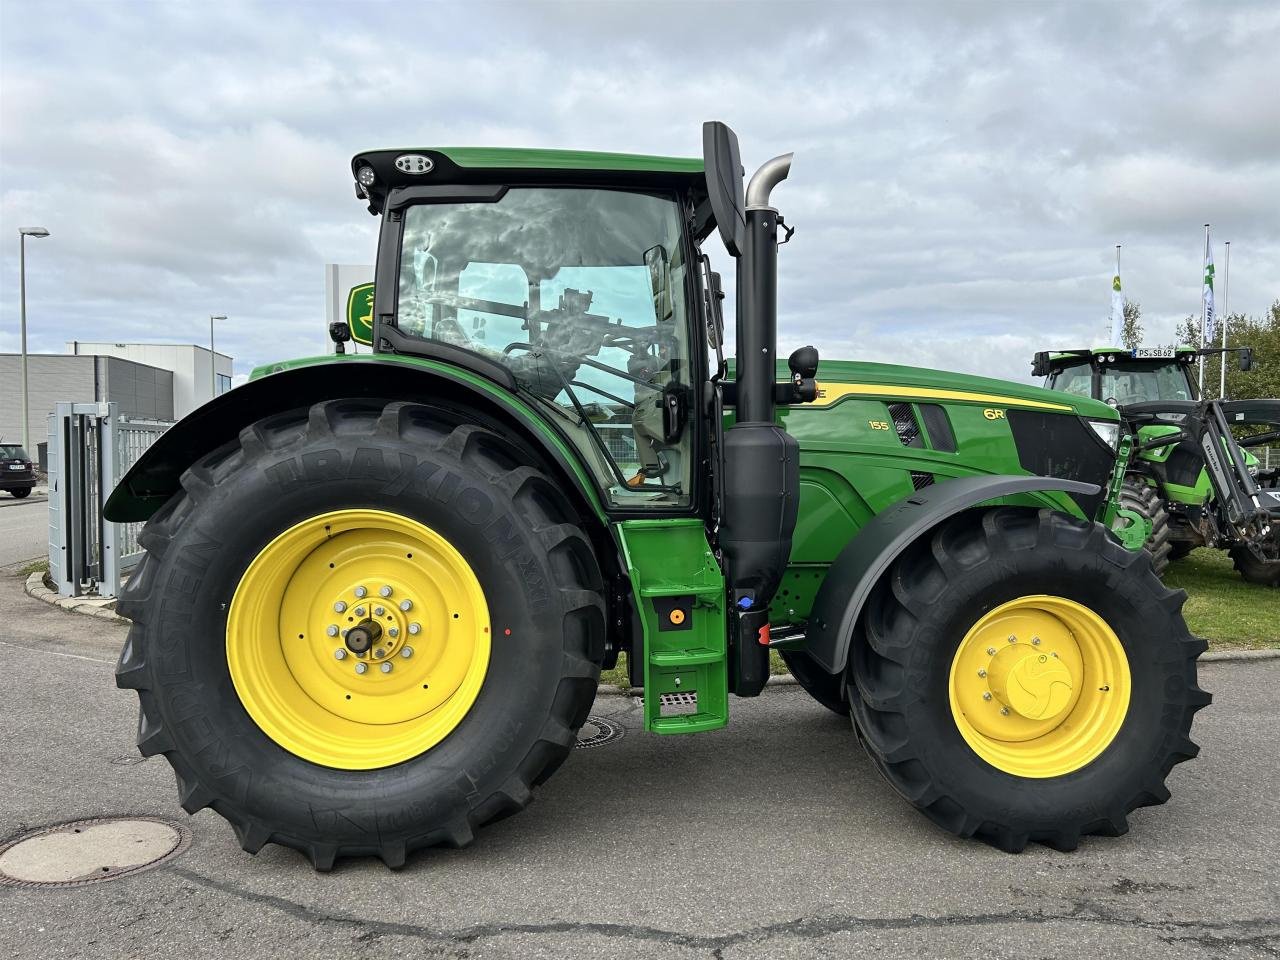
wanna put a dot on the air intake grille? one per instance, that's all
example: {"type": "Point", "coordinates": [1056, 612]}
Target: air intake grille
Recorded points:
{"type": "Point", "coordinates": [904, 421]}
{"type": "Point", "coordinates": [921, 480]}
{"type": "Point", "coordinates": [941, 436]}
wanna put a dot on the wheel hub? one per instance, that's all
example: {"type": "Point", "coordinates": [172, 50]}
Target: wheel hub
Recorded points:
{"type": "Point", "coordinates": [361, 638]}
{"type": "Point", "coordinates": [1035, 685]}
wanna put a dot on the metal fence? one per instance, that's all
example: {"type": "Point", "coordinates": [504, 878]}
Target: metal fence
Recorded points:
{"type": "Point", "coordinates": [620, 438]}
{"type": "Point", "coordinates": [90, 449]}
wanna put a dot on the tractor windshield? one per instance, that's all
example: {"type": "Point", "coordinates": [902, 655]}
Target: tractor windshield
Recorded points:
{"type": "Point", "coordinates": [1125, 382]}
{"type": "Point", "coordinates": [581, 294]}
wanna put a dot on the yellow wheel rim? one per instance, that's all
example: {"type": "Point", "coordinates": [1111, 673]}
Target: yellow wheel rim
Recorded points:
{"type": "Point", "coordinates": [1040, 686]}
{"type": "Point", "coordinates": [331, 585]}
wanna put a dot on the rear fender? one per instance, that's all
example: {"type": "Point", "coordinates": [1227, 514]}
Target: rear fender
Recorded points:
{"type": "Point", "coordinates": [155, 477]}
{"type": "Point", "coordinates": [868, 555]}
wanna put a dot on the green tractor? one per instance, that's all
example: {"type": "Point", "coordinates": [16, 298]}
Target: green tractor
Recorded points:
{"type": "Point", "coordinates": [1189, 482]}
{"type": "Point", "coordinates": [378, 589]}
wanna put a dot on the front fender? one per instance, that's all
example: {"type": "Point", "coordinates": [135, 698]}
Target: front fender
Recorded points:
{"type": "Point", "coordinates": [868, 555]}
{"type": "Point", "coordinates": [155, 477]}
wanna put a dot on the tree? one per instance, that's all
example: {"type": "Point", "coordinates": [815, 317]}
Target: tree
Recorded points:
{"type": "Point", "coordinates": [1131, 335]}
{"type": "Point", "coordinates": [1188, 332]}
{"type": "Point", "coordinates": [1263, 334]}
{"type": "Point", "coordinates": [1243, 330]}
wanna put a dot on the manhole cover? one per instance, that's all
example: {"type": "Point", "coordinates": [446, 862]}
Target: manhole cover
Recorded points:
{"type": "Point", "coordinates": [90, 851]}
{"type": "Point", "coordinates": [598, 731]}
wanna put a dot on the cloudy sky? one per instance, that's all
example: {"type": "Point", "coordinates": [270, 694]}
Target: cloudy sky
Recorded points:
{"type": "Point", "coordinates": [963, 171]}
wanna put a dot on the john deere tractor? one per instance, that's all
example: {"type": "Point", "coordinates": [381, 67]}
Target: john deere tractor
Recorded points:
{"type": "Point", "coordinates": [379, 588]}
{"type": "Point", "coordinates": [1188, 478]}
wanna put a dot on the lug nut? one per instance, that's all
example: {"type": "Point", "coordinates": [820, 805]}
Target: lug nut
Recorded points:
{"type": "Point", "coordinates": [1004, 711]}
{"type": "Point", "coordinates": [379, 611]}
{"type": "Point", "coordinates": [340, 607]}
{"type": "Point", "coordinates": [407, 652]}
{"type": "Point", "coordinates": [332, 630]}
{"type": "Point", "coordinates": [386, 667]}
{"type": "Point", "coordinates": [1035, 641]}
{"type": "Point", "coordinates": [394, 631]}
{"type": "Point", "coordinates": [361, 593]}
{"type": "Point", "coordinates": [340, 653]}
{"type": "Point", "coordinates": [406, 605]}
{"type": "Point", "coordinates": [361, 667]}
{"type": "Point", "coordinates": [359, 611]}
{"type": "Point", "coordinates": [982, 673]}
{"type": "Point", "coordinates": [384, 592]}
{"type": "Point", "coordinates": [987, 695]}
{"type": "Point", "coordinates": [379, 653]}
{"type": "Point", "coordinates": [991, 651]}
{"type": "Point", "coordinates": [415, 629]}
{"type": "Point", "coordinates": [1012, 638]}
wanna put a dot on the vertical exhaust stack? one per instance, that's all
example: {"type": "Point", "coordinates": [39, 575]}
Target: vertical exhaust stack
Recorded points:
{"type": "Point", "coordinates": [761, 460]}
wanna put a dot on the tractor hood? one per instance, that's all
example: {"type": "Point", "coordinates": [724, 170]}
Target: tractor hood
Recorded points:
{"type": "Point", "coordinates": [841, 378]}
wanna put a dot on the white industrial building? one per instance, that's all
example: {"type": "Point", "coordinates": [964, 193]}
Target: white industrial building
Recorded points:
{"type": "Point", "coordinates": [194, 382]}
{"type": "Point", "coordinates": [150, 381]}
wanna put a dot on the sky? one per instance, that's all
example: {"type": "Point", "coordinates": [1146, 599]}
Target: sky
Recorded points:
{"type": "Point", "coordinates": [962, 175]}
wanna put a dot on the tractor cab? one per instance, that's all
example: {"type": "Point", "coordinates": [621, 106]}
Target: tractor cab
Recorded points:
{"type": "Point", "coordinates": [570, 276]}
{"type": "Point", "coordinates": [1121, 377]}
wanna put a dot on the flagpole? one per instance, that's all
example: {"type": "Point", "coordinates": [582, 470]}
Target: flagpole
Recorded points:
{"type": "Point", "coordinates": [1121, 302]}
{"type": "Point", "coordinates": [1203, 264]}
{"type": "Point", "coordinates": [1226, 317]}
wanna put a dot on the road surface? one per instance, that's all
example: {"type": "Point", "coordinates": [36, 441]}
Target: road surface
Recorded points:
{"type": "Point", "coordinates": [773, 838]}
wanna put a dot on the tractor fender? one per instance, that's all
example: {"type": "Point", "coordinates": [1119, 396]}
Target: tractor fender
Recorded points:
{"type": "Point", "coordinates": [155, 477]}
{"type": "Point", "coordinates": [870, 553]}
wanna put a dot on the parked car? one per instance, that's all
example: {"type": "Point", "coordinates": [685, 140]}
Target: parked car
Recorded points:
{"type": "Point", "coordinates": [17, 473]}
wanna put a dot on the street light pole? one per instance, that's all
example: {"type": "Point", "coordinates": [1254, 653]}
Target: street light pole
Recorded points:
{"type": "Point", "coordinates": [23, 233]}
{"type": "Point", "coordinates": [213, 360]}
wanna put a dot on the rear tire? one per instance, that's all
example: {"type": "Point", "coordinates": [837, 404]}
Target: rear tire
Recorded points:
{"type": "Point", "coordinates": [1143, 499]}
{"type": "Point", "coordinates": [22, 493]}
{"type": "Point", "coordinates": [1265, 573]}
{"type": "Point", "coordinates": [905, 653]}
{"type": "Point", "coordinates": [507, 521]}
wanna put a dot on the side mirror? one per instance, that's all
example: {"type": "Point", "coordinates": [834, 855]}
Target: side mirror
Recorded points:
{"type": "Point", "coordinates": [804, 369]}
{"type": "Point", "coordinates": [722, 164]}
{"type": "Point", "coordinates": [1246, 359]}
{"type": "Point", "coordinates": [359, 314]}
{"type": "Point", "coordinates": [1040, 365]}
{"type": "Point", "coordinates": [655, 258]}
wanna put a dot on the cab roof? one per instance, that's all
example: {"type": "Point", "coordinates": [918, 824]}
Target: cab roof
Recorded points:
{"type": "Point", "coordinates": [424, 166]}
{"type": "Point", "coordinates": [1086, 353]}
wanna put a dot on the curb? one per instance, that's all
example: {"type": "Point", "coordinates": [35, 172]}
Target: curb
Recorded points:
{"type": "Point", "coordinates": [1220, 655]}
{"type": "Point", "coordinates": [85, 606]}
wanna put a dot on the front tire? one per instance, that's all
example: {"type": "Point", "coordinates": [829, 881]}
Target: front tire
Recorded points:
{"type": "Point", "coordinates": [1143, 500]}
{"type": "Point", "coordinates": [243, 687]}
{"type": "Point", "coordinates": [828, 689]}
{"type": "Point", "coordinates": [1265, 573]}
{"type": "Point", "coordinates": [1015, 745]}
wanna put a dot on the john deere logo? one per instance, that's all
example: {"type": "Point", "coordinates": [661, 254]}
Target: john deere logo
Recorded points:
{"type": "Point", "coordinates": [414, 163]}
{"type": "Point", "coordinates": [360, 313]}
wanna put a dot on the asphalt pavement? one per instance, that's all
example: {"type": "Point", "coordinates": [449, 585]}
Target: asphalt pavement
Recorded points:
{"type": "Point", "coordinates": [772, 838]}
{"type": "Point", "coordinates": [24, 528]}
